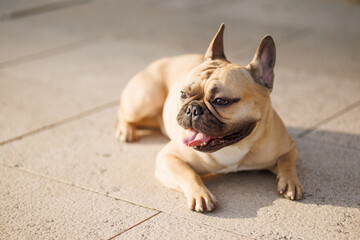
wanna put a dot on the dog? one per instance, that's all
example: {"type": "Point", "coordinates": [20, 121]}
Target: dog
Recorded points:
{"type": "Point", "coordinates": [218, 116]}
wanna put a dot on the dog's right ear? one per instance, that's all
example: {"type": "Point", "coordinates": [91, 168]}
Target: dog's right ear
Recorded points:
{"type": "Point", "coordinates": [216, 48]}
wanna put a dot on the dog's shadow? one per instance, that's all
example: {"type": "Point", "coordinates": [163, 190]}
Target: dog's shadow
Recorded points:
{"type": "Point", "coordinates": [242, 194]}
{"type": "Point", "coordinates": [329, 172]}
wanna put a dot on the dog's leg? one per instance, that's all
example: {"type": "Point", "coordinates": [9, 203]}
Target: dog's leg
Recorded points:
{"type": "Point", "coordinates": [288, 182]}
{"type": "Point", "coordinates": [175, 173]}
{"type": "Point", "coordinates": [126, 130]}
{"type": "Point", "coordinates": [141, 103]}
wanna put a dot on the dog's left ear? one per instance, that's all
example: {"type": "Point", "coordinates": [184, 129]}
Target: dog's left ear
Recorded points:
{"type": "Point", "coordinates": [216, 48]}
{"type": "Point", "coordinates": [262, 65]}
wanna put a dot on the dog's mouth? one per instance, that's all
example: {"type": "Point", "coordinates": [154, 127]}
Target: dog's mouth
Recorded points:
{"type": "Point", "coordinates": [204, 143]}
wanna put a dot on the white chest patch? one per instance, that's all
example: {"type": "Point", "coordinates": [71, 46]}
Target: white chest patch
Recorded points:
{"type": "Point", "coordinates": [231, 157]}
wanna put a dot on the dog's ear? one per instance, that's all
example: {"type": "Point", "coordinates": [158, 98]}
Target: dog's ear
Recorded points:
{"type": "Point", "coordinates": [262, 66]}
{"type": "Point", "coordinates": [216, 48]}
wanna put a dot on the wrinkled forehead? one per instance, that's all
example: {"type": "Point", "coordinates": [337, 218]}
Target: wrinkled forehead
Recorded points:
{"type": "Point", "coordinates": [208, 73]}
{"type": "Point", "coordinates": [208, 68]}
{"type": "Point", "coordinates": [198, 77]}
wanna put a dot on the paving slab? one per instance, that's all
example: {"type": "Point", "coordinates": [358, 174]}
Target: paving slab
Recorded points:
{"type": "Point", "coordinates": [35, 34]}
{"type": "Point", "coordinates": [185, 24]}
{"type": "Point", "coordinates": [192, 33]}
{"type": "Point", "coordinates": [9, 6]}
{"type": "Point", "coordinates": [55, 29]}
{"type": "Point", "coordinates": [46, 91]}
{"type": "Point", "coordinates": [84, 153]}
{"type": "Point", "coordinates": [19, 39]}
{"type": "Point", "coordinates": [33, 207]}
{"type": "Point", "coordinates": [303, 99]}
{"type": "Point", "coordinates": [337, 16]}
{"type": "Point", "coordinates": [77, 148]}
{"type": "Point", "coordinates": [180, 25]}
{"type": "Point", "coordinates": [343, 130]}
{"type": "Point", "coordinates": [165, 226]}
{"type": "Point", "coordinates": [184, 6]}
{"type": "Point", "coordinates": [323, 53]}
{"type": "Point", "coordinates": [314, 52]}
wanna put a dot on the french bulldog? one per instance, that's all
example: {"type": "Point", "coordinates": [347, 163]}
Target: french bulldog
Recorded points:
{"type": "Point", "coordinates": [218, 116]}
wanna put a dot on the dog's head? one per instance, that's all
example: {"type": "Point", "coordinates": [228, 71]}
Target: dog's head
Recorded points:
{"type": "Point", "coordinates": [223, 103]}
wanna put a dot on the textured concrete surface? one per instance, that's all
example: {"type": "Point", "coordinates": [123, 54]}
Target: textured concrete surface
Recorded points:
{"type": "Point", "coordinates": [34, 207]}
{"type": "Point", "coordinates": [63, 65]}
{"type": "Point", "coordinates": [165, 226]}
{"type": "Point", "coordinates": [88, 75]}
{"type": "Point", "coordinates": [343, 130]}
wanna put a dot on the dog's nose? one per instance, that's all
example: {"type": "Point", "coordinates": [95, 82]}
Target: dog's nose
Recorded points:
{"type": "Point", "coordinates": [194, 111]}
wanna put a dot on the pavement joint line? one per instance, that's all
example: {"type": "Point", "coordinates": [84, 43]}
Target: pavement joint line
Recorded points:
{"type": "Point", "coordinates": [76, 186]}
{"type": "Point", "coordinates": [49, 52]}
{"type": "Point", "coordinates": [225, 230]}
{"type": "Point", "coordinates": [209, 225]}
{"type": "Point", "coordinates": [119, 199]}
{"type": "Point", "coordinates": [63, 121]}
{"type": "Point", "coordinates": [329, 118]}
{"type": "Point", "coordinates": [139, 223]}
{"type": "Point", "coordinates": [201, 223]}
{"type": "Point", "coordinates": [45, 8]}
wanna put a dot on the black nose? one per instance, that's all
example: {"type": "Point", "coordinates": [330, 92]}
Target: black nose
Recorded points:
{"type": "Point", "coordinates": [194, 111]}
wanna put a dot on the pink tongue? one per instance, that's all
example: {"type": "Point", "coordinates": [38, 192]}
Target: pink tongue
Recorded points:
{"type": "Point", "coordinates": [195, 138]}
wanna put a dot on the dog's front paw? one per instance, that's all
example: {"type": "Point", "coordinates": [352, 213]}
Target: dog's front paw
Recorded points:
{"type": "Point", "coordinates": [201, 200]}
{"type": "Point", "coordinates": [290, 187]}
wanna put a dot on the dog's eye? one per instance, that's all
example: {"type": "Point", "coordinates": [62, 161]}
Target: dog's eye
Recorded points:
{"type": "Point", "coordinates": [183, 95]}
{"type": "Point", "coordinates": [220, 102]}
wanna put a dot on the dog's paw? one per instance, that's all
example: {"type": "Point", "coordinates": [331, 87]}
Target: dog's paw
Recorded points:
{"type": "Point", "coordinates": [201, 200]}
{"type": "Point", "coordinates": [125, 132]}
{"type": "Point", "coordinates": [291, 188]}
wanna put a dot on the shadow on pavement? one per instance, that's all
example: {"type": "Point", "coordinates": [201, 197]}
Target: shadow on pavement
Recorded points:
{"type": "Point", "coordinates": [328, 171]}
